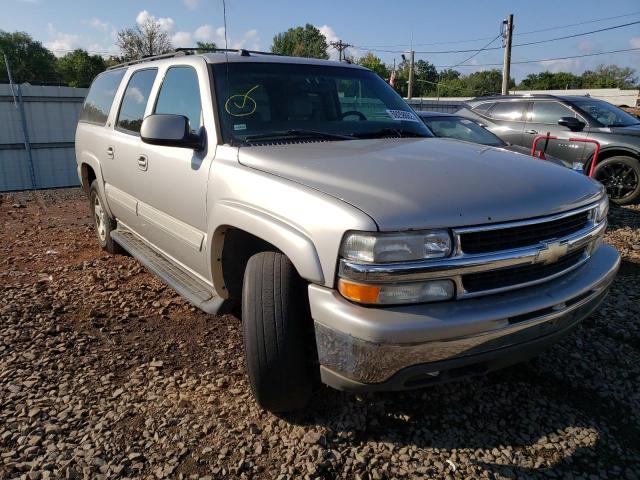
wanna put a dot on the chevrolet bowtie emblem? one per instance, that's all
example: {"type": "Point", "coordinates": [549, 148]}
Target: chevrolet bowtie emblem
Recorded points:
{"type": "Point", "coordinates": [552, 252]}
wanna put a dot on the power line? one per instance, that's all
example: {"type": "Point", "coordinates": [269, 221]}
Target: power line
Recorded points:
{"type": "Point", "coordinates": [529, 32]}
{"type": "Point", "coordinates": [544, 59]}
{"type": "Point", "coordinates": [432, 52]}
{"type": "Point", "coordinates": [478, 51]}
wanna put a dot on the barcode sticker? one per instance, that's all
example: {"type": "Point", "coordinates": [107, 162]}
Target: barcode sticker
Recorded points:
{"type": "Point", "coordinates": [403, 115]}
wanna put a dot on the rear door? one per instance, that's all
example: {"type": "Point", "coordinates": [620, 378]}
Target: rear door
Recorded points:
{"type": "Point", "coordinates": [123, 147]}
{"type": "Point", "coordinates": [543, 118]}
{"type": "Point", "coordinates": [507, 120]}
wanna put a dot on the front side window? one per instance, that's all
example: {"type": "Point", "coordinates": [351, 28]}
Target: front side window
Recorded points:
{"type": "Point", "coordinates": [549, 112]}
{"type": "Point", "coordinates": [97, 105]}
{"type": "Point", "coordinates": [261, 102]}
{"type": "Point", "coordinates": [462, 129]}
{"type": "Point", "coordinates": [135, 100]}
{"type": "Point", "coordinates": [605, 113]}
{"type": "Point", "coordinates": [180, 95]}
{"type": "Point", "coordinates": [507, 111]}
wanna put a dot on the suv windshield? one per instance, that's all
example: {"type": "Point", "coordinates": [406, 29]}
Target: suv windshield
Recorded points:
{"type": "Point", "coordinates": [261, 102]}
{"type": "Point", "coordinates": [605, 113]}
{"type": "Point", "coordinates": [462, 129]}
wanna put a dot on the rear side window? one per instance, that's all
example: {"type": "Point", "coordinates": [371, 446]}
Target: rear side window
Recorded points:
{"type": "Point", "coordinates": [482, 108]}
{"type": "Point", "coordinates": [135, 100]}
{"type": "Point", "coordinates": [507, 111]}
{"type": "Point", "coordinates": [100, 97]}
{"type": "Point", "coordinates": [180, 95]}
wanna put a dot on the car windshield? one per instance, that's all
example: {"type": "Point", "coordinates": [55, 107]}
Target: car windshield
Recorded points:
{"type": "Point", "coordinates": [462, 129]}
{"type": "Point", "coordinates": [261, 102]}
{"type": "Point", "coordinates": [605, 113]}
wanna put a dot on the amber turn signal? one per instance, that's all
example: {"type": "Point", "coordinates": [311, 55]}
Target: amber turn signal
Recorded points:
{"type": "Point", "coordinates": [358, 292]}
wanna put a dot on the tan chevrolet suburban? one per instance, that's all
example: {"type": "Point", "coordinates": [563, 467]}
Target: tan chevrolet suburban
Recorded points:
{"type": "Point", "coordinates": [364, 252]}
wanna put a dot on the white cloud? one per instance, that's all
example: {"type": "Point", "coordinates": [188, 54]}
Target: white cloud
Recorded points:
{"type": "Point", "coordinates": [191, 4]}
{"type": "Point", "coordinates": [99, 24]}
{"type": "Point", "coordinates": [167, 23]}
{"type": "Point", "coordinates": [61, 43]}
{"type": "Point", "coordinates": [331, 36]}
{"type": "Point", "coordinates": [574, 65]}
{"type": "Point", "coordinates": [182, 39]}
{"type": "Point", "coordinates": [205, 33]}
{"type": "Point", "coordinates": [635, 42]}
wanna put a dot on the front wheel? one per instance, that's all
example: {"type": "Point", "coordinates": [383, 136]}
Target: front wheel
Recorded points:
{"type": "Point", "coordinates": [278, 334]}
{"type": "Point", "coordinates": [621, 177]}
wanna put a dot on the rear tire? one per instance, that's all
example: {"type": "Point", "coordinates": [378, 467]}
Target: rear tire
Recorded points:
{"type": "Point", "coordinates": [621, 178]}
{"type": "Point", "coordinates": [278, 334]}
{"type": "Point", "coordinates": [102, 222]}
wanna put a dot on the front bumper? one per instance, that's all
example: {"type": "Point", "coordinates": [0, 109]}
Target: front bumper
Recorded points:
{"type": "Point", "coordinates": [365, 348]}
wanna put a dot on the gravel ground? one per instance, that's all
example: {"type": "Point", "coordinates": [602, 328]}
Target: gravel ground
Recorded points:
{"type": "Point", "coordinates": [107, 373]}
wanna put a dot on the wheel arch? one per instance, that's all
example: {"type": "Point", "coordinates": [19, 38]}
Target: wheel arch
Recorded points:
{"type": "Point", "coordinates": [243, 231]}
{"type": "Point", "coordinates": [615, 151]}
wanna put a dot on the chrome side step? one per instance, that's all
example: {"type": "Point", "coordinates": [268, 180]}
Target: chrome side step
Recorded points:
{"type": "Point", "coordinates": [191, 288]}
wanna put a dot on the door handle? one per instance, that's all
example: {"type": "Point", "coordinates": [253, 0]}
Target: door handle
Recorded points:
{"type": "Point", "coordinates": [142, 163]}
{"type": "Point", "coordinates": [531, 132]}
{"type": "Point", "coordinates": [110, 152]}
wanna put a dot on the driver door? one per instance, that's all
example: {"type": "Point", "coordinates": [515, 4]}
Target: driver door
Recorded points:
{"type": "Point", "coordinates": [542, 118]}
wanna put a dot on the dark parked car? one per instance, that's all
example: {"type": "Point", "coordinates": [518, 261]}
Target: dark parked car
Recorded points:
{"type": "Point", "coordinates": [449, 125]}
{"type": "Point", "coordinates": [517, 119]}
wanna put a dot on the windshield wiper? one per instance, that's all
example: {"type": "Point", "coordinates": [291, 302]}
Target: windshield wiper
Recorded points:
{"type": "Point", "coordinates": [385, 132]}
{"type": "Point", "coordinates": [297, 133]}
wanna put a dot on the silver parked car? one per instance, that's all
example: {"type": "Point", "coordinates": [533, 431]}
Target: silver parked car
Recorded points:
{"type": "Point", "coordinates": [364, 252]}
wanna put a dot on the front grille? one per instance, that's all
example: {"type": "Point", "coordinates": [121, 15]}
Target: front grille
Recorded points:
{"type": "Point", "coordinates": [508, 277]}
{"type": "Point", "coordinates": [522, 236]}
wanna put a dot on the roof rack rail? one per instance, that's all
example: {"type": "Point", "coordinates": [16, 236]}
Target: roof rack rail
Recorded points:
{"type": "Point", "coordinates": [190, 51]}
{"type": "Point", "coordinates": [241, 51]}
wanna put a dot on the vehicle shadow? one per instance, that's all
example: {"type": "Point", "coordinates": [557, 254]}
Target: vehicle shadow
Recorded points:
{"type": "Point", "coordinates": [515, 423]}
{"type": "Point", "coordinates": [621, 217]}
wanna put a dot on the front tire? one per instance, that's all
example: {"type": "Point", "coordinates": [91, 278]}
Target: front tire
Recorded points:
{"type": "Point", "coordinates": [621, 178]}
{"type": "Point", "coordinates": [102, 222]}
{"type": "Point", "coordinates": [278, 341]}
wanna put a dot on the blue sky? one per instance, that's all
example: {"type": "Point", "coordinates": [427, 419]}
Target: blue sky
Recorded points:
{"type": "Point", "coordinates": [63, 25]}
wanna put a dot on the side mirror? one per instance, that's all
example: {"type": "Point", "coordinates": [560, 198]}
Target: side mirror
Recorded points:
{"type": "Point", "coordinates": [171, 131]}
{"type": "Point", "coordinates": [572, 123]}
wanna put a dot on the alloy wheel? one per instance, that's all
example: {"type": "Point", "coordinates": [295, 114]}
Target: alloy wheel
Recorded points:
{"type": "Point", "coordinates": [619, 179]}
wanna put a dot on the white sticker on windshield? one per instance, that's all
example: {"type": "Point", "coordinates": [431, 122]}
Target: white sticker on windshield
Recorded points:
{"type": "Point", "coordinates": [240, 126]}
{"type": "Point", "coordinates": [403, 115]}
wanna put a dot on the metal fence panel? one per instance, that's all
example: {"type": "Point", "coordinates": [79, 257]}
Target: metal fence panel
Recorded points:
{"type": "Point", "coordinates": [51, 115]}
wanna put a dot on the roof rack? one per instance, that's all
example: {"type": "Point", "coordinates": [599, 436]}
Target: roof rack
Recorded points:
{"type": "Point", "coordinates": [191, 51]}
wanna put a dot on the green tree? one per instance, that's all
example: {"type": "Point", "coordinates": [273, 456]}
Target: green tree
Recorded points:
{"type": "Point", "coordinates": [609, 76]}
{"type": "Point", "coordinates": [304, 41]}
{"type": "Point", "coordinates": [30, 61]}
{"type": "Point", "coordinates": [485, 82]}
{"type": "Point", "coordinates": [372, 62]}
{"type": "Point", "coordinates": [78, 68]}
{"type": "Point", "coordinates": [550, 81]}
{"type": "Point", "coordinates": [204, 46]}
{"type": "Point", "coordinates": [449, 74]}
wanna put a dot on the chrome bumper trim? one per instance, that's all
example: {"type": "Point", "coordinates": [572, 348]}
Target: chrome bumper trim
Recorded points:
{"type": "Point", "coordinates": [369, 345]}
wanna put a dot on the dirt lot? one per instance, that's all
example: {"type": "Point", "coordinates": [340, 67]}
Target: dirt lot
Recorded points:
{"type": "Point", "coordinates": [105, 372]}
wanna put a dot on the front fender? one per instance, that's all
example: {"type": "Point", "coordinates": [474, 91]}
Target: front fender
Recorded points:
{"type": "Point", "coordinates": [288, 238]}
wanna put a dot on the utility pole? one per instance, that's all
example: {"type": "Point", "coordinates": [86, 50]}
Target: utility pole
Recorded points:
{"type": "Point", "coordinates": [506, 67]}
{"type": "Point", "coordinates": [341, 47]}
{"type": "Point", "coordinates": [410, 84]}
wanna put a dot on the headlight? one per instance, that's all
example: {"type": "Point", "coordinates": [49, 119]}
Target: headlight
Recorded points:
{"type": "Point", "coordinates": [397, 293]}
{"type": "Point", "coordinates": [396, 247]}
{"type": "Point", "coordinates": [602, 209]}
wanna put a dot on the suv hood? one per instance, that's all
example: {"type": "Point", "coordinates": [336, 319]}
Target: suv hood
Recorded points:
{"type": "Point", "coordinates": [424, 183]}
